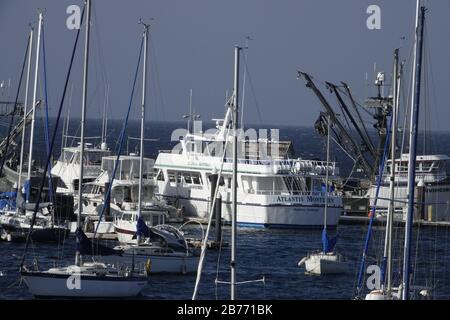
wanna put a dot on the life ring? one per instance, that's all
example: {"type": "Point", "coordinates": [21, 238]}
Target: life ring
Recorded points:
{"type": "Point", "coordinates": [148, 266]}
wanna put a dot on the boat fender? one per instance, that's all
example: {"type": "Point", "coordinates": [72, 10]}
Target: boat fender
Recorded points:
{"type": "Point", "coordinates": [302, 262]}
{"type": "Point", "coordinates": [148, 266]}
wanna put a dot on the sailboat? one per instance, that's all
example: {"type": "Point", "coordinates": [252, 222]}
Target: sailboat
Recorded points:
{"type": "Point", "coordinates": [89, 279]}
{"type": "Point", "coordinates": [15, 220]}
{"type": "Point", "coordinates": [233, 111]}
{"type": "Point", "coordinates": [162, 246]}
{"type": "Point", "coordinates": [327, 261]}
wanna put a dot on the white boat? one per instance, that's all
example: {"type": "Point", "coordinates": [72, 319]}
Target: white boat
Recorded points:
{"type": "Point", "coordinates": [66, 167]}
{"type": "Point", "coordinates": [273, 191]}
{"type": "Point", "coordinates": [126, 217]}
{"type": "Point", "coordinates": [163, 250]}
{"type": "Point", "coordinates": [324, 263]}
{"type": "Point", "coordinates": [431, 175]}
{"type": "Point", "coordinates": [91, 280]}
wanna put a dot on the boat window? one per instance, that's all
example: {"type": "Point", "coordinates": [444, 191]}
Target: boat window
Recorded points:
{"type": "Point", "coordinates": [171, 175]}
{"type": "Point", "coordinates": [93, 158]}
{"type": "Point", "coordinates": [160, 176]}
{"type": "Point", "coordinates": [196, 178]}
{"type": "Point", "coordinates": [187, 178]}
{"type": "Point", "coordinates": [67, 156]}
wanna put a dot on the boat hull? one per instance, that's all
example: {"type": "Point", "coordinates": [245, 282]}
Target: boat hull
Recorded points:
{"type": "Point", "coordinates": [272, 215]}
{"type": "Point", "coordinates": [44, 284]}
{"type": "Point", "coordinates": [175, 264]}
{"type": "Point", "coordinates": [321, 264]}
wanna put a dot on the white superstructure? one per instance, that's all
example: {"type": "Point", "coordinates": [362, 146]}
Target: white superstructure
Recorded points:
{"type": "Point", "coordinates": [431, 180]}
{"type": "Point", "coordinates": [273, 190]}
{"type": "Point", "coordinates": [67, 167]}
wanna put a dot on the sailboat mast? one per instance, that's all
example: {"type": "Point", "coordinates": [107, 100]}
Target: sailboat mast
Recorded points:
{"type": "Point", "coordinates": [326, 175]}
{"type": "Point", "coordinates": [420, 19]}
{"type": "Point", "coordinates": [390, 218]}
{"type": "Point", "coordinates": [33, 116]}
{"type": "Point", "coordinates": [234, 190]}
{"type": "Point", "coordinates": [83, 117]}
{"type": "Point", "coordinates": [141, 152]}
{"type": "Point", "coordinates": [25, 110]}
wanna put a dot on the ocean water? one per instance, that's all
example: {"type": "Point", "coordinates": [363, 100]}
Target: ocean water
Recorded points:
{"type": "Point", "coordinates": [272, 254]}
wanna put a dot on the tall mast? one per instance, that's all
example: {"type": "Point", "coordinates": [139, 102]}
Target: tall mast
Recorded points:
{"type": "Point", "coordinates": [33, 116]}
{"type": "Point", "coordinates": [326, 175]}
{"type": "Point", "coordinates": [83, 117]}
{"type": "Point", "coordinates": [234, 190]}
{"type": "Point", "coordinates": [417, 73]}
{"type": "Point", "coordinates": [144, 91]}
{"type": "Point", "coordinates": [22, 147]}
{"type": "Point", "coordinates": [387, 256]}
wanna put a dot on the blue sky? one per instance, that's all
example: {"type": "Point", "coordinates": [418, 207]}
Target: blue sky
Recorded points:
{"type": "Point", "coordinates": [192, 43]}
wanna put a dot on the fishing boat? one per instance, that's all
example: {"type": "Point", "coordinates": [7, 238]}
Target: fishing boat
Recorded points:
{"type": "Point", "coordinates": [275, 190]}
{"type": "Point", "coordinates": [82, 279]}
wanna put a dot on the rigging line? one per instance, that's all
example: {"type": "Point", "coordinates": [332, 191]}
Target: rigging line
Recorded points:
{"type": "Point", "coordinates": [203, 252]}
{"type": "Point", "coordinates": [33, 220]}
{"type": "Point", "coordinates": [101, 56]}
{"type": "Point", "coordinates": [121, 137]}
{"type": "Point", "coordinates": [11, 121]}
{"type": "Point", "coordinates": [430, 69]}
{"type": "Point", "coordinates": [158, 82]}
{"type": "Point", "coordinates": [356, 102]}
{"type": "Point", "coordinates": [406, 102]}
{"type": "Point", "coordinates": [252, 89]}
{"type": "Point", "coordinates": [218, 262]}
{"type": "Point", "coordinates": [46, 128]}
{"type": "Point", "coordinates": [372, 217]}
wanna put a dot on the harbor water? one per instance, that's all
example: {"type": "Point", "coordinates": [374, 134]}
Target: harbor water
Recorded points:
{"type": "Point", "coordinates": [261, 253]}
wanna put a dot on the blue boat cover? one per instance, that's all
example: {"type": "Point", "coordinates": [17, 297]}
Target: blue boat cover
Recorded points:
{"type": "Point", "coordinates": [328, 244]}
{"type": "Point", "coordinates": [85, 246]}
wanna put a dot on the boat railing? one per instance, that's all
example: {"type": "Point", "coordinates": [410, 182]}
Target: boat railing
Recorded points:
{"type": "Point", "coordinates": [299, 193]}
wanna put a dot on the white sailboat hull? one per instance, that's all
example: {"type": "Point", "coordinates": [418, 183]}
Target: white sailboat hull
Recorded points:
{"type": "Point", "coordinates": [321, 264]}
{"type": "Point", "coordinates": [158, 263]}
{"type": "Point", "coordinates": [44, 284]}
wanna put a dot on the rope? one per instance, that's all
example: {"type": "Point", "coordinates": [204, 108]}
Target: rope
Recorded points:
{"type": "Point", "coordinates": [372, 217]}
{"type": "Point", "coordinates": [203, 252]}
{"type": "Point", "coordinates": [46, 123]}
{"type": "Point", "coordinates": [11, 121]}
{"type": "Point", "coordinates": [121, 138]}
